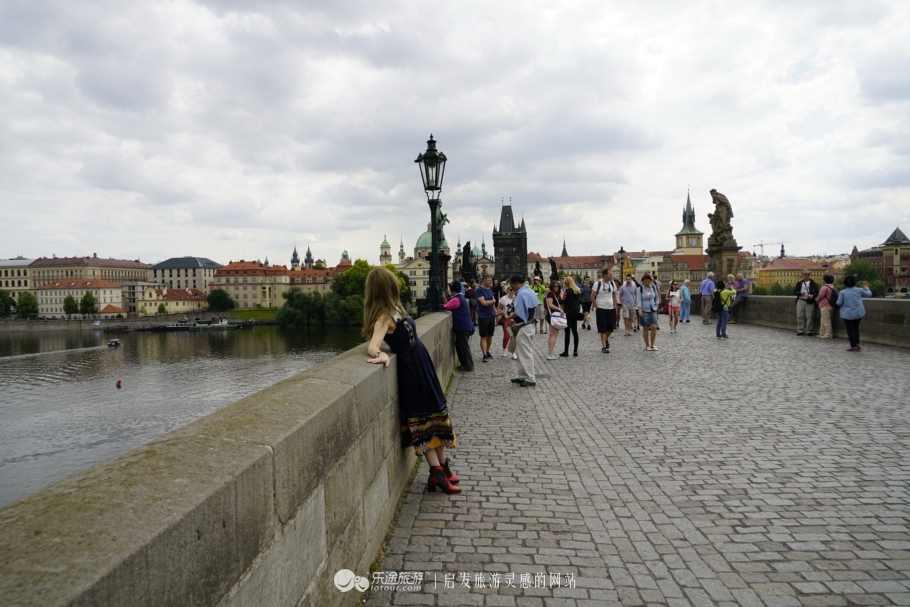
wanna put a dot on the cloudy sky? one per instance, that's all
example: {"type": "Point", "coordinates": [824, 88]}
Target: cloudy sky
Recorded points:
{"type": "Point", "coordinates": [234, 129]}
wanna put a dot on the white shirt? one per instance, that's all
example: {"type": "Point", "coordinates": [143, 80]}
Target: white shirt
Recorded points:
{"type": "Point", "coordinates": [674, 298]}
{"type": "Point", "coordinates": [603, 292]}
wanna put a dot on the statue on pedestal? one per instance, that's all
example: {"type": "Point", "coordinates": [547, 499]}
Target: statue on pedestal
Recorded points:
{"type": "Point", "coordinates": [537, 272]}
{"type": "Point", "coordinates": [721, 230]}
{"type": "Point", "coordinates": [467, 263]}
{"type": "Point", "coordinates": [554, 273]}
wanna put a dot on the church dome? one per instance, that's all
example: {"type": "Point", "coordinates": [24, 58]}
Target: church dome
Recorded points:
{"type": "Point", "coordinates": [426, 240]}
{"type": "Point", "coordinates": [476, 252]}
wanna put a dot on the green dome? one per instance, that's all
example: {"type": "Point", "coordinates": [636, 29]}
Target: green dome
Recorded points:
{"type": "Point", "coordinates": [476, 252]}
{"type": "Point", "coordinates": [426, 240]}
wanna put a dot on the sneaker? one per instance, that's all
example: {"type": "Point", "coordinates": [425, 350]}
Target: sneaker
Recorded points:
{"type": "Point", "coordinates": [514, 356]}
{"type": "Point", "coordinates": [527, 384]}
{"type": "Point", "coordinates": [853, 349]}
{"type": "Point", "coordinates": [809, 333]}
{"type": "Point", "coordinates": [724, 337]}
{"type": "Point", "coordinates": [654, 348]}
{"type": "Point", "coordinates": [552, 357]}
{"type": "Point", "coordinates": [505, 352]}
{"type": "Point", "coordinates": [564, 355]}
{"type": "Point", "coordinates": [648, 348]}
{"type": "Point", "coordinates": [518, 380]}
{"type": "Point", "coordinates": [798, 333]}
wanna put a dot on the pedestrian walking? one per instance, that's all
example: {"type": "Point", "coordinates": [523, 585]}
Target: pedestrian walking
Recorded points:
{"type": "Point", "coordinates": [524, 307]}
{"type": "Point", "coordinates": [471, 296]}
{"type": "Point", "coordinates": [852, 309]}
{"type": "Point", "coordinates": [498, 291]}
{"type": "Point", "coordinates": [649, 302]}
{"type": "Point", "coordinates": [806, 292]}
{"type": "Point", "coordinates": [424, 418]}
{"type": "Point", "coordinates": [461, 325]}
{"type": "Point", "coordinates": [674, 301]}
{"type": "Point", "coordinates": [586, 303]}
{"type": "Point", "coordinates": [571, 304]}
{"type": "Point", "coordinates": [725, 294]}
{"type": "Point", "coordinates": [540, 314]}
{"type": "Point", "coordinates": [628, 300]}
{"type": "Point", "coordinates": [827, 300]}
{"type": "Point", "coordinates": [743, 288]}
{"type": "Point", "coordinates": [505, 309]}
{"type": "Point", "coordinates": [603, 302]}
{"type": "Point", "coordinates": [486, 315]}
{"type": "Point", "coordinates": [552, 302]}
{"type": "Point", "coordinates": [706, 290]}
{"type": "Point", "coordinates": [685, 306]}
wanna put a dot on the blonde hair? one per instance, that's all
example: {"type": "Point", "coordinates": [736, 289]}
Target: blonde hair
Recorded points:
{"type": "Point", "coordinates": [381, 298]}
{"type": "Point", "coordinates": [569, 283]}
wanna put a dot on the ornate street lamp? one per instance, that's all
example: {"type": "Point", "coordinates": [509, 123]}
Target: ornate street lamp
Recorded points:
{"type": "Point", "coordinates": [622, 259]}
{"type": "Point", "coordinates": [432, 169]}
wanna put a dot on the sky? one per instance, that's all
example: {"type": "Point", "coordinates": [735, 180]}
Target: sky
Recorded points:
{"type": "Point", "coordinates": [237, 130]}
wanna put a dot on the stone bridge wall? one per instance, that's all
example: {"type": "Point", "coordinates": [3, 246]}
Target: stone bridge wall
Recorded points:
{"type": "Point", "coordinates": [259, 503]}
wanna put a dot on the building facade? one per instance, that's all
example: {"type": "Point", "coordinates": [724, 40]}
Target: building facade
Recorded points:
{"type": "Point", "coordinates": [175, 301]}
{"type": "Point", "coordinates": [311, 279]}
{"type": "Point", "coordinates": [590, 266]}
{"type": "Point", "coordinates": [124, 272]}
{"type": "Point", "coordinates": [891, 260]}
{"type": "Point", "coordinates": [14, 276]}
{"type": "Point", "coordinates": [510, 245]}
{"type": "Point", "coordinates": [184, 273]}
{"type": "Point", "coordinates": [788, 271]}
{"type": "Point", "coordinates": [107, 296]}
{"type": "Point", "coordinates": [253, 284]}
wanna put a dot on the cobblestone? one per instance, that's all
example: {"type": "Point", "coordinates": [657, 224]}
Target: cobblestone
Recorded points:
{"type": "Point", "coordinates": [765, 470]}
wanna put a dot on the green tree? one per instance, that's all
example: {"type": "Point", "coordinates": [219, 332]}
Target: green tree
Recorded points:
{"type": "Point", "coordinates": [404, 289]}
{"type": "Point", "coordinates": [142, 310]}
{"type": "Point", "coordinates": [760, 290]}
{"type": "Point", "coordinates": [70, 306]}
{"type": "Point", "coordinates": [27, 305]}
{"type": "Point", "coordinates": [7, 303]}
{"type": "Point", "coordinates": [343, 310]}
{"type": "Point", "coordinates": [220, 300]}
{"type": "Point", "coordinates": [779, 289]}
{"type": "Point", "coordinates": [162, 309]}
{"type": "Point", "coordinates": [863, 270]}
{"type": "Point", "coordinates": [88, 305]}
{"type": "Point", "coordinates": [319, 266]}
{"type": "Point", "coordinates": [353, 280]}
{"type": "Point", "coordinates": [301, 308]}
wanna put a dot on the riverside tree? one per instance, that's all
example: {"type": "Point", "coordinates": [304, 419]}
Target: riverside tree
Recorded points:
{"type": "Point", "coordinates": [7, 303]}
{"type": "Point", "coordinates": [219, 301]}
{"type": "Point", "coordinates": [301, 309]}
{"type": "Point", "coordinates": [27, 305]}
{"type": "Point", "coordinates": [88, 305]}
{"type": "Point", "coordinates": [70, 306]}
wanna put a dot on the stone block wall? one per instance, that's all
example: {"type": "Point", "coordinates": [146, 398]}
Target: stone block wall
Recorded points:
{"type": "Point", "coordinates": [887, 321]}
{"type": "Point", "coordinates": [259, 503]}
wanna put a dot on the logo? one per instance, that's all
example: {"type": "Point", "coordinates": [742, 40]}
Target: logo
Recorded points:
{"type": "Point", "coordinates": [345, 580]}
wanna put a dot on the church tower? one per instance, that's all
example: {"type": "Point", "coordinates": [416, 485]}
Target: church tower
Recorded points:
{"type": "Point", "coordinates": [295, 260]}
{"type": "Point", "coordinates": [689, 239]}
{"type": "Point", "coordinates": [385, 252]}
{"type": "Point", "coordinates": [401, 254]}
{"type": "Point", "coordinates": [308, 260]}
{"type": "Point", "coordinates": [510, 245]}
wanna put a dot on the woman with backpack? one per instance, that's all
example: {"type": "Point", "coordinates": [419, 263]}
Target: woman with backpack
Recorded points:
{"type": "Point", "coordinates": [723, 299]}
{"type": "Point", "coordinates": [850, 301]}
{"type": "Point", "coordinates": [649, 304]}
{"type": "Point", "coordinates": [552, 305]}
{"type": "Point", "coordinates": [586, 303]}
{"type": "Point", "coordinates": [827, 298]}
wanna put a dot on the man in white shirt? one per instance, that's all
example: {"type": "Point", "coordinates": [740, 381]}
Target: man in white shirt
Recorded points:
{"type": "Point", "coordinates": [603, 302]}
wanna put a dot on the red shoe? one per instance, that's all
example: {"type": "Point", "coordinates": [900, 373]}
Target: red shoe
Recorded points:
{"type": "Point", "coordinates": [450, 476]}
{"type": "Point", "coordinates": [438, 479]}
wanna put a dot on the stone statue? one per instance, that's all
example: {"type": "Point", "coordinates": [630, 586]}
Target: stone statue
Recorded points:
{"type": "Point", "coordinates": [721, 230]}
{"type": "Point", "coordinates": [554, 273]}
{"type": "Point", "coordinates": [467, 262]}
{"type": "Point", "coordinates": [537, 272]}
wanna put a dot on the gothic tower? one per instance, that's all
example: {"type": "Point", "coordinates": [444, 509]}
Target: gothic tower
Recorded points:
{"type": "Point", "coordinates": [385, 252]}
{"type": "Point", "coordinates": [510, 245]}
{"type": "Point", "coordinates": [689, 239]}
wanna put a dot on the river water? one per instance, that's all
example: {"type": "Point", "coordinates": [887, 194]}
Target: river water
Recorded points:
{"type": "Point", "coordinates": [61, 412]}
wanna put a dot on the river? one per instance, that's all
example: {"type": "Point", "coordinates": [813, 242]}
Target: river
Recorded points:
{"type": "Point", "coordinates": [61, 411]}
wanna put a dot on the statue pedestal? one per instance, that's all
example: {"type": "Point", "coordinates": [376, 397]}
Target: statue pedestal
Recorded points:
{"type": "Point", "coordinates": [724, 260]}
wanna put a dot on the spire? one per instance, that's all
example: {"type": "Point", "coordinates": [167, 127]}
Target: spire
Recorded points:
{"type": "Point", "coordinates": [564, 252]}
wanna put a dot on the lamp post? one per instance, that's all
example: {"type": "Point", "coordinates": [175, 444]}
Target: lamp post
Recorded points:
{"type": "Point", "coordinates": [432, 166]}
{"type": "Point", "coordinates": [622, 259]}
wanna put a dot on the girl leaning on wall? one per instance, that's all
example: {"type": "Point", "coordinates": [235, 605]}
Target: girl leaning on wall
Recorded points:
{"type": "Point", "coordinates": [425, 423]}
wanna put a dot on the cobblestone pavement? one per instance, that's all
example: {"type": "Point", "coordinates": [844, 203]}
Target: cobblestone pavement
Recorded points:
{"type": "Point", "coordinates": [767, 470]}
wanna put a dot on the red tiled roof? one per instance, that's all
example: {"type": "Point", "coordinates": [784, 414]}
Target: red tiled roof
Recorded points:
{"type": "Point", "coordinates": [109, 309]}
{"type": "Point", "coordinates": [89, 261]}
{"type": "Point", "coordinates": [792, 263]}
{"type": "Point", "coordinates": [78, 283]}
{"type": "Point", "coordinates": [693, 262]}
{"type": "Point", "coordinates": [570, 261]}
{"type": "Point", "coordinates": [250, 268]}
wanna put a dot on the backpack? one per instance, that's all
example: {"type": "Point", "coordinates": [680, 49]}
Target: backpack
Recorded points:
{"type": "Point", "coordinates": [717, 304]}
{"type": "Point", "coordinates": [832, 297]}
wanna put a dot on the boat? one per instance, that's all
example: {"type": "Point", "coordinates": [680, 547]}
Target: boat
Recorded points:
{"type": "Point", "coordinates": [113, 343]}
{"type": "Point", "coordinates": [244, 325]}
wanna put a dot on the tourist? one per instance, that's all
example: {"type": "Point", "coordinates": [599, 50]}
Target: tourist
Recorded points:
{"type": "Point", "coordinates": [827, 299]}
{"type": "Point", "coordinates": [850, 301]}
{"type": "Point", "coordinates": [586, 303]}
{"type": "Point", "coordinates": [685, 306]}
{"type": "Point", "coordinates": [806, 292]}
{"type": "Point", "coordinates": [498, 291]}
{"type": "Point", "coordinates": [660, 304]}
{"type": "Point", "coordinates": [506, 307]}
{"type": "Point", "coordinates": [524, 307]}
{"type": "Point", "coordinates": [628, 301]}
{"type": "Point", "coordinates": [743, 286]}
{"type": "Point", "coordinates": [421, 402]}
{"type": "Point", "coordinates": [603, 302]}
{"type": "Point", "coordinates": [674, 300]}
{"type": "Point", "coordinates": [649, 303]}
{"type": "Point", "coordinates": [540, 314]}
{"type": "Point", "coordinates": [552, 304]}
{"type": "Point", "coordinates": [471, 296]}
{"type": "Point", "coordinates": [461, 326]}
{"type": "Point", "coordinates": [486, 315]}
{"type": "Point", "coordinates": [725, 296]}
{"type": "Point", "coordinates": [571, 299]}
{"type": "Point", "coordinates": [706, 290]}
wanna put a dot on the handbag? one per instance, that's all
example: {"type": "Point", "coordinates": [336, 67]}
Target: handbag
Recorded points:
{"type": "Point", "coordinates": [558, 321]}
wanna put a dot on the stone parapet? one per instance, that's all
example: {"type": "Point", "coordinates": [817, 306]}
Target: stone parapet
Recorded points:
{"type": "Point", "coordinates": [887, 320]}
{"type": "Point", "coordinates": [259, 503]}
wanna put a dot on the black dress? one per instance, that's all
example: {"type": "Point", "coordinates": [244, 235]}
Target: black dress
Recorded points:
{"type": "Point", "coordinates": [424, 418]}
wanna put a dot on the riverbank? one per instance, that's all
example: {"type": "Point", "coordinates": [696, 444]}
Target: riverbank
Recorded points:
{"type": "Point", "coordinates": [265, 317]}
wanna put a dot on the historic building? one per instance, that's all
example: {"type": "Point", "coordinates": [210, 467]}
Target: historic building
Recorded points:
{"type": "Point", "coordinates": [311, 279]}
{"type": "Point", "coordinates": [252, 284]}
{"type": "Point", "coordinates": [689, 239]}
{"type": "Point", "coordinates": [385, 252]}
{"type": "Point", "coordinates": [576, 265]}
{"type": "Point", "coordinates": [510, 245]}
{"type": "Point", "coordinates": [185, 273]}
{"type": "Point", "coordinates": [788, 271]}
{"type": "Point", "coordinates": [484, 262]}
{"type": "Point", "coordinates": [891, 260]}
{"type": "Point", "coordinates": [129, 274]}
{"type": "Point", "coordinates": [14, 276]}
{"type": "Point", "coordinates": [175, 301]}
{"type": "Point", "coordinates": [108, 296]}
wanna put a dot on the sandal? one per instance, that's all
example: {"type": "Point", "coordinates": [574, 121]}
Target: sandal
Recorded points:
{"type": "Point", "coordinates": [605, 350]}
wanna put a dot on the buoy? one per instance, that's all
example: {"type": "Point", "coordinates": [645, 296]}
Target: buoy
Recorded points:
{"type": "Point", "coordinates": [118, 384]}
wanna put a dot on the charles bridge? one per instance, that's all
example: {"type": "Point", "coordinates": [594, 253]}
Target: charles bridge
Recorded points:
{"type": "Point", "coordinates": [766, 470]}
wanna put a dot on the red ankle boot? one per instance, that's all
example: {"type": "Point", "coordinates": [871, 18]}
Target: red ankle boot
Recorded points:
{"type": "Point", "coordinates": [438, 479]}
{"type": "Point", "coordinates": [450, 476]}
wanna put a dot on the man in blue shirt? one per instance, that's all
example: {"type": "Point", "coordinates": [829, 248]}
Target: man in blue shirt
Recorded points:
{"type": "Point", "coordinates": [707, 294]}
{"type": "Point", "coordinates": [523, 331]}
{"type": "Point", "coordinates": [742, 293]}
{"type": "Point", "coordinates": [486, 315]}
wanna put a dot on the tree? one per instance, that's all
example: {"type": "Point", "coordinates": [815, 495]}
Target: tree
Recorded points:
{"type": "Point", "coordinates": [219, 300]}
{"type": "Point", "coordinates": [142, 310]}
{"type": "Point", "coordinates": [863, 270]}
{"type": "Point", "coordinates": [27, 305]}
{"type": "Point", "coordinates": [88, 305]}
{"type": "Point", "coordinates": [70, 306]}
{"type": "Point", "coordinates": [301, 309]}
{"type": "Point", "coordinates": [319, 266]}
{"type": "Point", "coordinates": [779, 289]}
{"type": "Point", "coordinates": [353, 280]}
{"type": "Point", "coordinates": [404, 290]}
{"type": "Point", "coordinates": [343, 310]}
{"type": "Point", "coordinates": [7, 303]}
{"type": "Point", "coordinates": [760, 290]}
{"type": "Point", "coordinates": [162, 309]}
